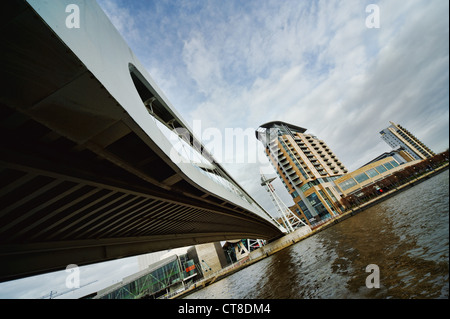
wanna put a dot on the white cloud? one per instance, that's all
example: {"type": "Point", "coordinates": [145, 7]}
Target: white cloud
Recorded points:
{"type": "Point", "coordinates": [202, 64]}
{"type": "Point", "coordinates": [123, 19]}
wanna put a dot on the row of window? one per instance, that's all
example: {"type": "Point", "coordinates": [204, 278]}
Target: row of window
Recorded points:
{"type": "Point", "coordinates": [294, 160]}
{"type": "Point", "coordinates": [322, 147]}
{"type": "Point", "coordinates": [318, 181]}
{"type": "Point", "coordinates": [413, 143]}
{"type": "Point", "coordinates": [371, 173]}
{"type": "Point", "coordinates": [318, 207]}
{"type": "Point", "coordinates": [154, 281]}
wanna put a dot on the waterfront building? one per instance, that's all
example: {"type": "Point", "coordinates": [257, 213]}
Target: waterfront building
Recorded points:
{"type": "Point", "coordinates": [371, 173]}
{"type": "Point", "coordinates": [211, 257]}
{"type": "Point", "coordinates": [399, 154]}
{"type": "Point", "coordinates": [177, 269]}
{"type": "Point", "coordinates": [397, 136]}
{"type": "Point", "coordinates": [167, 275]}
{"type": "Point", "coordinates": [306, 166]}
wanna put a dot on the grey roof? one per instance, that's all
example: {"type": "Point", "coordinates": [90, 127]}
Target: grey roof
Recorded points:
{"type": "Point", "coordinates": [274, 124]}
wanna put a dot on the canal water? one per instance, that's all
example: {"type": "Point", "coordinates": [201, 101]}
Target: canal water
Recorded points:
{"type": "Point", "coordinates": [406, 236]}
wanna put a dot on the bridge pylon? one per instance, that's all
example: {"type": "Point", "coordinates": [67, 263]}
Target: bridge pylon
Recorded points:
{"type": "Point", "coordinates": [290, 220]}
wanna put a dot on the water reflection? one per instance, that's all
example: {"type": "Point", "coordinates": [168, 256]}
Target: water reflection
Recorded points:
{"type": "Point", "coordinates": [407, 236]}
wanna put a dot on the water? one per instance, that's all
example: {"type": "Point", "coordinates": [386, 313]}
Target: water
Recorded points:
{"type": "Point", "coordinates": [406, 236]}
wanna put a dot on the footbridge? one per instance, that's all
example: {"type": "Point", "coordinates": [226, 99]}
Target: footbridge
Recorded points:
{"type": "Point", "coordinates": [88, 172]}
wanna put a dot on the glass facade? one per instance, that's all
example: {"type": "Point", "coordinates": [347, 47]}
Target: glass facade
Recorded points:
{"type": "Point", "coordinates": [190, 269]}
{"type": "Point", "coordinates": [305, 187]}
{"type": "Point", "coordinates": [347, 184]}
{"type": "Point", "coordinates": [327, 201]}
{"type": "Point", "coordinates": [372, 172]}
{"type": "Point", "coordinates": [381, 169]}
{"type": "Point", "coordinates": [305, 210]}
{"type": "Point", "coordinates": [318, 206]}
{"type": "Point", "coordinates": [361, 177]}
{"type": "Point", "coordinates": [331, 194]}
{"type": "Point", "coordinates": [157, 281]}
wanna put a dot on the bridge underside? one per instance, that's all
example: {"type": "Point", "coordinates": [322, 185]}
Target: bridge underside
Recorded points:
{"type": "Point", "coordinates": [80, 182]}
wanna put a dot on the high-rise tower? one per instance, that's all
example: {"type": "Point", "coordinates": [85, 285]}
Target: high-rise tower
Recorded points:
{"type": "Point", "coordinates": [396, 135]}
{"type": "Point", "coordinates": [307, 168]}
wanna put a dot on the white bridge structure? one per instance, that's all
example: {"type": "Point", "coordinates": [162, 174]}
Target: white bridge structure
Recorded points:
{"type": "Point", "coordinates": [87, 171]}
{"type": "Point", "coordinates": [290, 220]}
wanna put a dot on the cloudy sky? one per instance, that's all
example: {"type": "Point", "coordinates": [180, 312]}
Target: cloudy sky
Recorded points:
{"type": "Point", "coordinates": [234, 65]}
{"type": "Point", "coordinates": [237, 64]}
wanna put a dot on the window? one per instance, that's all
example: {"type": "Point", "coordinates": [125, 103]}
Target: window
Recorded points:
{"type": "Point", "coordinates": [361, 177]}
{"type": "Point", "coordinates": [293, 158]}
{"type": "Point", "coordinates": [318, 206]}
{"type": "Point", "coordinates": [372, 173]}
{"type": "Point", "coordinates": [394, 163]}
{"type": "Point", "coordinates": [331, 194]}
{"type": "Point", "coordinates": [301, 170]}
{"type": "Point", "coordinates": [305, 187]}
{"type": "Point", "coordinates": [381, 169]}
{"type": "Point", "coordinates": [347, 184]}
{"type": "Point", "coordinates": [388, 165]}
{"type": "Point", "coordinates": [305, 210]}
{"type": "Point", "coordinates": [327, 201]}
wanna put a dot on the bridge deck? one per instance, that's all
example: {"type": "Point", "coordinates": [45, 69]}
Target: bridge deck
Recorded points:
{"type": "Point", "coordinates": [80, 180]}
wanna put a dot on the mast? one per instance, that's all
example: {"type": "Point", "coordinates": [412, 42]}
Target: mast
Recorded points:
{"type": "Point", "coordinates": [290, 220]}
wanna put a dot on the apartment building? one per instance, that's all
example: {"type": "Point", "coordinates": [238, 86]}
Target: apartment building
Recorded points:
{"type": "Point", "coordinates": [397, 136]}
{"type": "Point", "coordinates": [306, 166]}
